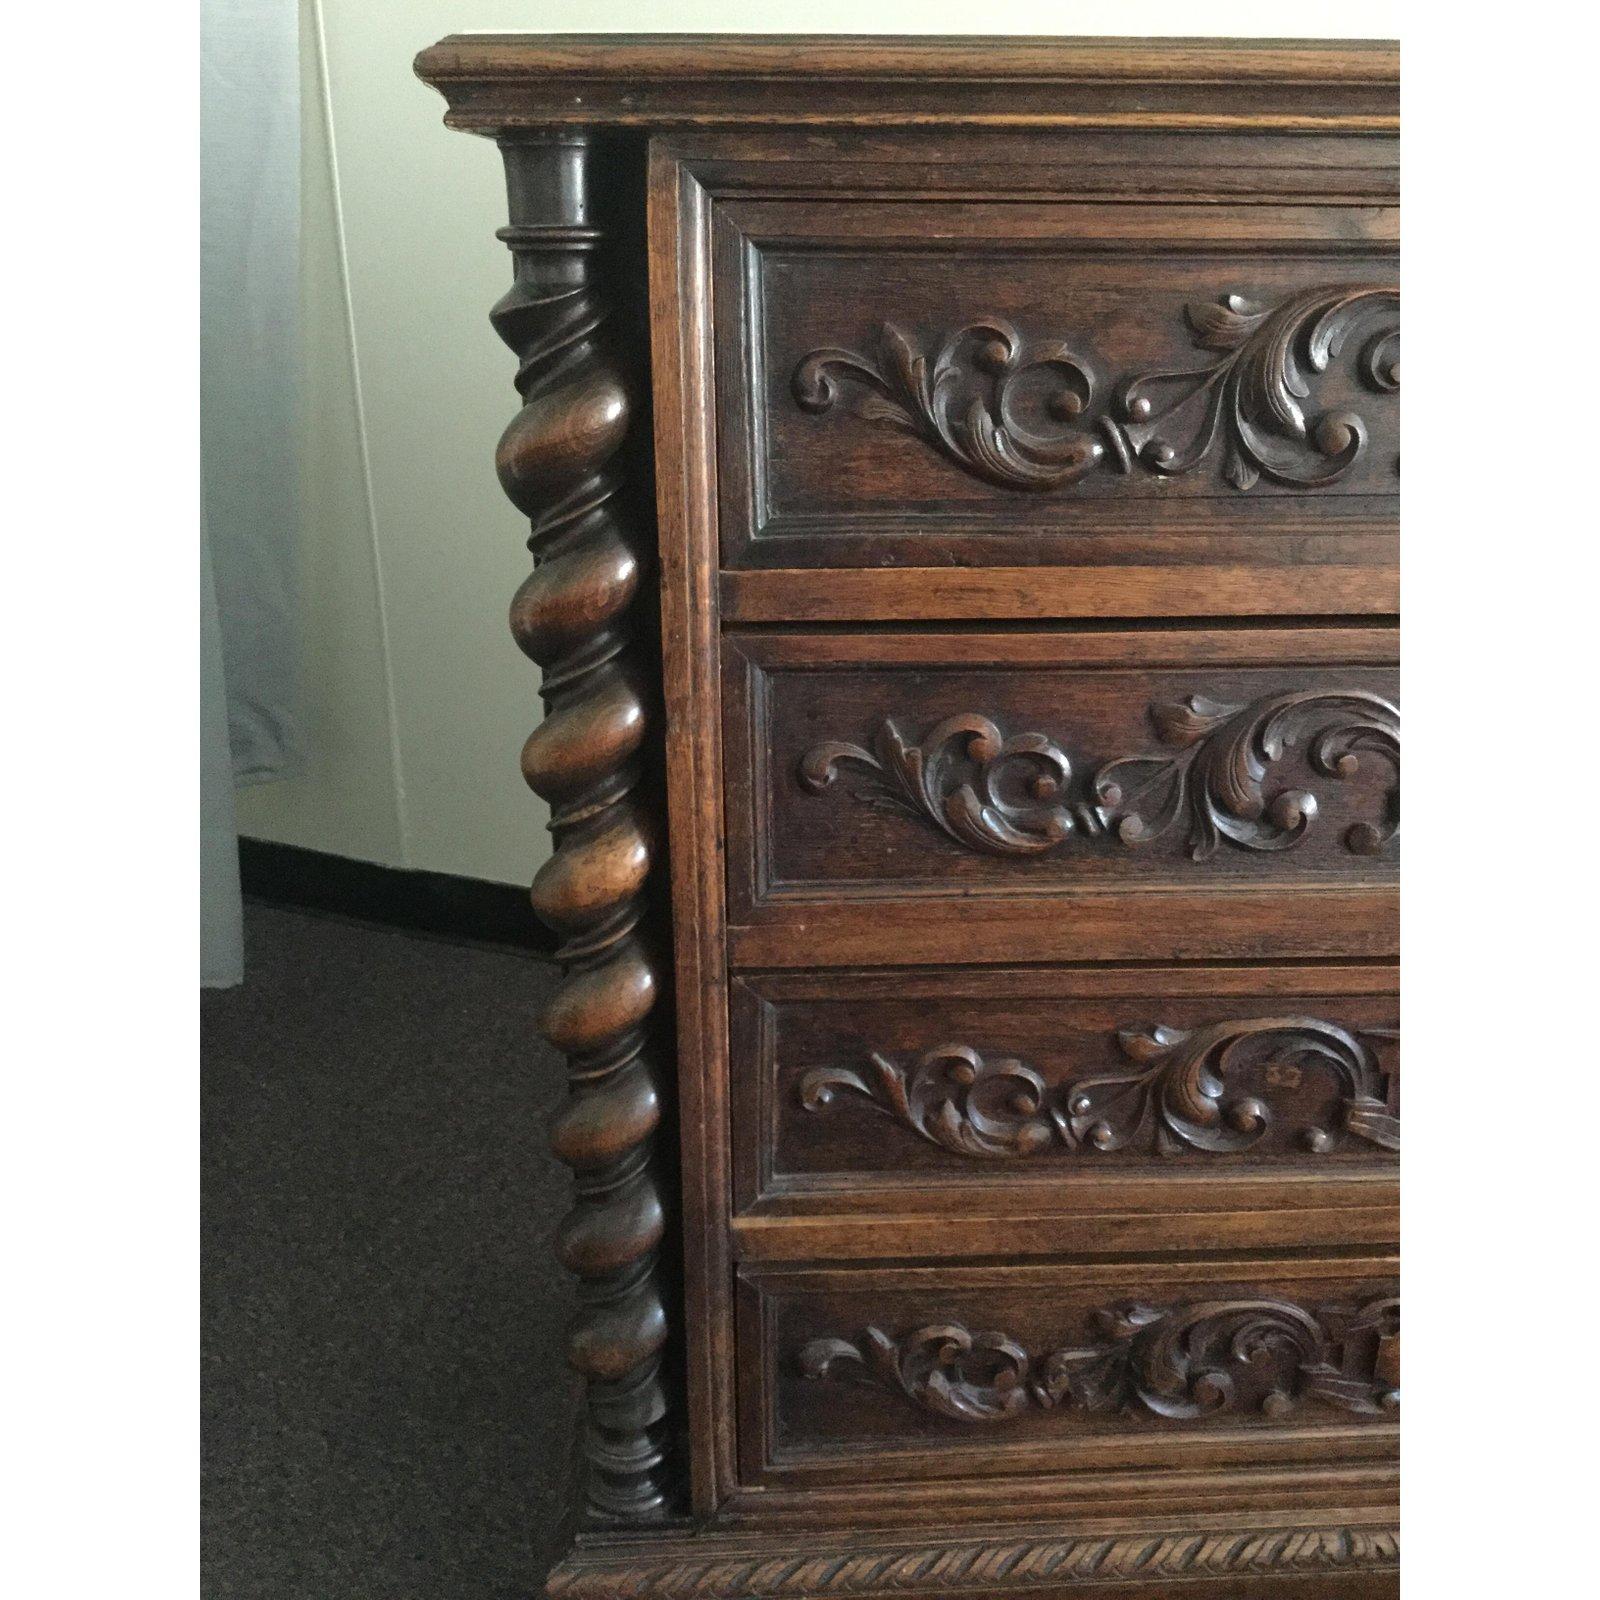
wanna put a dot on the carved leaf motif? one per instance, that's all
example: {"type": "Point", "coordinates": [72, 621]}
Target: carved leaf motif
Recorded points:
{"type": "Point", "coordinates": [1182, 1084]}
{"type": "Point", "coordinates": [953, 1098]}
{"type": "Point", "coordinates": [1217, 780]}
{"type": "Point", "coordinates": [1252, 398]}
{"type": "Point", "coordinates": [1178, 1097]}
{"type": "Point", "coordinates": [1220, 325]}
{"type": "Point", "coordinates": [968, 404]}
{"type": "Point", "coordinates": [1182, 1363]}
{"type": "Point", "coordinates": [993, 794]}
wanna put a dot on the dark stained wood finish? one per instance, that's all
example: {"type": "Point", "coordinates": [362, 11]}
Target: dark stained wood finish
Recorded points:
{"type": "Point", "coordinates": [498, 82]}
{"type": "Point", "coordinates": [1030, 797]}
{"type": "Point", "coordinates": [1340, 1555]}
{"type": "Point", "coordinates": [823, 1168]}
{"type": "Point", "coordinates": [981, 1370]}
{"type": "Point", "coordinates": [559, 461]}
{"type": "Point", "coordinates": [691, 668]}
{"type": "Point", "coordinates": [1076, 1090]}
{"type": "Point", "coordinates": [936, 383]}
{"type": "Point", "coordinates": [933, 782]}
{"type": "Point", "coordinates": [1037, 594]}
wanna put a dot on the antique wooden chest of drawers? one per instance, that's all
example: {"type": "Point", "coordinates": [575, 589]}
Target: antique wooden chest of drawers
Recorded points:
{"type": "Point", "coordinates": [963, 479]}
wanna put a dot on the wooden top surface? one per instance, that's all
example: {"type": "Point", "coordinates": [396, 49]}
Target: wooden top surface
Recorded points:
{"type": "Point", "coordinates": [501, 82]}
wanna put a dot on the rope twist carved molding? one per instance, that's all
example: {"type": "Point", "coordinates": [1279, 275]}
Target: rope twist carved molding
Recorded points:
{"type": "Point", "coordinates": [573, 615]}
{"type": "Point", "coordinates": [1176, 1097]}
{"type": "Point", "coordinates": [1022, 417]}
{"type": "Point", "coordinates": [1181, 1363]}
{"type": "Point", "coordinates": [1013, 795]}
{"type": "Point", "coordinates": [986, 1565]}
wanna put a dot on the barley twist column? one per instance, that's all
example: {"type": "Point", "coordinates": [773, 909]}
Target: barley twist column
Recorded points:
{"type": "Point", "coordinates": [576, 616]}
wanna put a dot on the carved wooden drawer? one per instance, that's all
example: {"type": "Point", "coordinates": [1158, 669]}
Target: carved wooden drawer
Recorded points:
{"type": "Point", "coordinates": [877, 1374]}
{"type": "Point", "coordinates": [939, 382]}
{"type": "Point", "coordinates": [1049, 795]}
{"type": "Point", "coordinates": [1186, 1108]}
{"type": "Point", "coordinates": [1001, 701]}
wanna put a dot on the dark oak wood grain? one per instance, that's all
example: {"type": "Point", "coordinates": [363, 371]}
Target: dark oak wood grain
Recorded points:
{"type": "Point", "coordinates": [498, 82]}
{"type": "Point", "coordinates": [1036, 594]}
{"type": "Point", "coordinates": [900, 1372]}
{"type": "Point", "coordinates": [1021, 737]}
{"type": "Point", "coordinates": [934, 783]}
{"type": "Point", "coordinates": [1066, 1089]}
{"type": "Point", "coordinates": [942, 382]}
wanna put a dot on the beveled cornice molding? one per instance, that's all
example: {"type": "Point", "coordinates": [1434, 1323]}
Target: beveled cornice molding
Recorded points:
{"type": "Point", "coordinates": [493, 83]}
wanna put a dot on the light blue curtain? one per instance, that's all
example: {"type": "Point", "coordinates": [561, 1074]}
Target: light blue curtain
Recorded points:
{"type": "Point", "coordinates": [221, 915]}
{"type": "Point", "coordinates": [249, 303]}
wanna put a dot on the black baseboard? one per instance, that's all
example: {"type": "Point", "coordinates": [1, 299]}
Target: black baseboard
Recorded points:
{"type": "Point", "coordinates": [419, 902]}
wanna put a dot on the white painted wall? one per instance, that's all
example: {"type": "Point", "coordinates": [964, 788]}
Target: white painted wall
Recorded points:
{"type": "Point", "coordinates": [417, 700]}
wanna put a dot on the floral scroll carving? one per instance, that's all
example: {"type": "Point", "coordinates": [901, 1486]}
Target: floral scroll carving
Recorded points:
{"type": "Point", "coordinates": [967, 401]}
{"type": "Point", "coordinates": [1002, 796]}
{"type": "Point", "coordinates": [1023, 417]}
{"type": "Point", "coordinates": [1248, 401]}
{"type": "Point", "coordinates": [954, 1098]}
{"type": "Point", "coordinates": [1177, 1095]}
{"type": "Point", "coordinates": [1184, 1362]}
{"type": "Point", "coordinates": [1013, 795]}
{"type": "Point", "coordinates": [1216, 779]}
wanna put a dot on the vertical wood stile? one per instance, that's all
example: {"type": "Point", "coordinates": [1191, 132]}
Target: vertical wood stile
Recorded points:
{"type": "Point", "coordinates": [577, 616]}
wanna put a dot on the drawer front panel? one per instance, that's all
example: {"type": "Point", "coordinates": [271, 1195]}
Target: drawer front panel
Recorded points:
{"type": "Point", "coordinates": [923, 1373]}
{"type": "Point", "coordinates": [1077, 1091]}
{"type": "Point", "coordinates": [933, 767]}
{"type": "Point", "coordinates": [926, 383]}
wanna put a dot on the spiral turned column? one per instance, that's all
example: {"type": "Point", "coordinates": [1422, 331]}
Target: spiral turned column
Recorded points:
{"type": "Point", "coordinates": [575, 615]}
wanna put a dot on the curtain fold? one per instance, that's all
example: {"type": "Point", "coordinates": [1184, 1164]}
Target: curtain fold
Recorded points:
{"type": "Point", "coordinates": [221, 914]}
{"type": "Point", "coordinates": [249, 331]}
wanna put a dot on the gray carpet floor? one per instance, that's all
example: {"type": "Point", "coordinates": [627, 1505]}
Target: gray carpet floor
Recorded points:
{"type": "Point", "coordinates": [386, 1408]}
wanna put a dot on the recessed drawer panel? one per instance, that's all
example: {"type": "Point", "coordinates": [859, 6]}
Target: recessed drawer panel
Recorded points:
{"type": "Point", "coordinates": [911, 1372]}
{"type": "Point", "coordinates": [933, 383]}
{"type": "Point", "coordinates": [1258, 1099]}
{"type": "Point", "coordinates": [962, 778]}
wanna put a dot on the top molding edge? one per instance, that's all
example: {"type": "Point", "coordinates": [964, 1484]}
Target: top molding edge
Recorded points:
{"type": "Point", "coordinates": [498, 84]}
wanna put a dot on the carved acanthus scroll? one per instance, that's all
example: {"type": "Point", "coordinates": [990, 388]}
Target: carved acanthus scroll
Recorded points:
{"type": "Point", "coordinates": [1014, 795]}
{"type": "Point", "coordinates": [1183, 1362]}
{"type": "Point", "coordinates": [1248, 401]}
{"type": "Point", "coordinates": [953, 1097]}
{"type": "Point", "coordinates": [968, 401]}
{"type": "Point", "coordinates": [998, 795]}
{"type": "Point", "coordinates": [1178, 1094]}
{"type": "Point", "coordinates": [1025, 418]}
{"type": "Point", "coordinates": [1216, 778]}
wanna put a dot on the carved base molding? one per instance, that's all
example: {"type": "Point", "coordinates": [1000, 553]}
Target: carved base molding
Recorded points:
{"type": "Point", "coordinates": [1349, 1557]}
